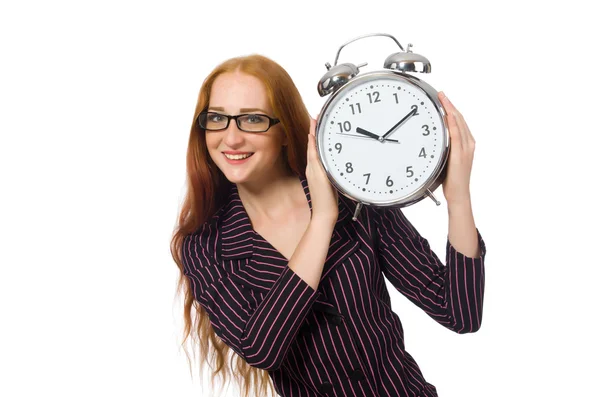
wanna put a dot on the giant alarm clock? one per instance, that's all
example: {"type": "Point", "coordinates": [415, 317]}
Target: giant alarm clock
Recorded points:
{"type": "Point", "coordinates": [382, 137]}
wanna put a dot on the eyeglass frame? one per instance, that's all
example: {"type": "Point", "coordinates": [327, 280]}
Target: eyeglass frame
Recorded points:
{"type": "Point", "coordinates": [272, 121]}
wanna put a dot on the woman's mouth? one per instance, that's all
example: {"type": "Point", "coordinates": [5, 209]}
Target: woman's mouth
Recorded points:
{"type": "Point", "coordinates": [237, 158]}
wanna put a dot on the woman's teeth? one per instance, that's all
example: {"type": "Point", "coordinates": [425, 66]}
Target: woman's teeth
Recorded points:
{"type": "Point", "coordinates": [237, 156]}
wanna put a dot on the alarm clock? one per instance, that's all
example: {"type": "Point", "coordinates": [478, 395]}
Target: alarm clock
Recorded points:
{"type": "Point", "coordinates": [382, 137]}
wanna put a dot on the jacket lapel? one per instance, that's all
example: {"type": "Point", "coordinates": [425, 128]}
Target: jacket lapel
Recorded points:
{"type": "Point", "coordinates": [237, 243]}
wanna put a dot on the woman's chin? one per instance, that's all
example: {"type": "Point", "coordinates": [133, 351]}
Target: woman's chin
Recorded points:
{"type": "Point", "coordinates": [236, 176]}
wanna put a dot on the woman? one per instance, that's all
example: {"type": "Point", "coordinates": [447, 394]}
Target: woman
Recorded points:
{"type": "Point", "coordinates": [274, 266]}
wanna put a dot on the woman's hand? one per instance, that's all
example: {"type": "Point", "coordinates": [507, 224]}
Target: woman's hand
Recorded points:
{"type": "Point", "coordinates": [323, 196]}
{"type": "Point", "coordinates": [460, 161]}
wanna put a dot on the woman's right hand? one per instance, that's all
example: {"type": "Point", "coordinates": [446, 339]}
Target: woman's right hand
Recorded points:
{"type": "Point", "coordinates": [323, 195]}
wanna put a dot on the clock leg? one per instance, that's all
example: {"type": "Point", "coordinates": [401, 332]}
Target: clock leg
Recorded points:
{"type": "Point", "coordinates": [357, 211]}
{"type": "Point", "coordinates": [430, 194]}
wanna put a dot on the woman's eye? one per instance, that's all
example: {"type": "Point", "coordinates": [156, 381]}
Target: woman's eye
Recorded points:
{"type": "Point", "coordinates": [254, 119]}
{"type": "Point", "coordinates": [216, 117]}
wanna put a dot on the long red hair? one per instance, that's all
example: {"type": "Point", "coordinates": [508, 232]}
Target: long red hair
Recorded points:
{"type": "Point", "coordinates": [206, 192]}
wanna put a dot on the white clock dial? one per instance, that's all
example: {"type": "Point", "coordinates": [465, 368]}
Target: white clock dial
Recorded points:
{"type": "Point", "coordinates": [375, 170]}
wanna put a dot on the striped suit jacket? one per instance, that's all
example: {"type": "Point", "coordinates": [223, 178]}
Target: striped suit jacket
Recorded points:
{"type": "Point", "coordinates": [342, 339]}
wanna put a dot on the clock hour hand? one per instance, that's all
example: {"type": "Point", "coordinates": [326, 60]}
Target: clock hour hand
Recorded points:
{"type": "Point", "coordinates": [367, 133]}
{"type": "Point", "coordinates": [398, 124]}
{"type": "Point", "coordinates": [371, 135]}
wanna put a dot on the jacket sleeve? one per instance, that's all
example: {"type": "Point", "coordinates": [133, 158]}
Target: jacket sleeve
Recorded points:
{"type": "Point", "coordinates": [451, 294]}
{"type": "Point", "coordinates": [259, 331]}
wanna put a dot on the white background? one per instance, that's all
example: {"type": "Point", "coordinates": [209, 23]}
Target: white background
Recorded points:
{"type": "Point", "coordinates": [97, 99]}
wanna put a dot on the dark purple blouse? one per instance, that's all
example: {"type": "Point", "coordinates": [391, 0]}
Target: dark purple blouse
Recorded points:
{"type": "Point", "coordinates": [342, 339]}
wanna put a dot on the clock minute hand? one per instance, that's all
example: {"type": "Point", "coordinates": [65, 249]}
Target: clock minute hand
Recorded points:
{"type": "Point", "coordinates": [399, 123]}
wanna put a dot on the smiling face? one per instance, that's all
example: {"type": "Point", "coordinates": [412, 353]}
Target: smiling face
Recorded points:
{"type": "Point", "coordinates": [235, 93]}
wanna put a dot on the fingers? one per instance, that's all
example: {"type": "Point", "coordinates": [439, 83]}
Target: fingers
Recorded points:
{"type": "Point", "coordinates": [455, 136]}
{"type": "Point", "coordinates": [312, 153]}
{"type": "Point", "coordinates": [313, 124]}
{"type": "Point", "coordinates": [312, 146]}
{"type": "Point", "coordinates": [459, 131]}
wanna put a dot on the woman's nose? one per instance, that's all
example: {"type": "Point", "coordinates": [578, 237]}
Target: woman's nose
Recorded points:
{"type": "Point", "coordinates": [233, 134]}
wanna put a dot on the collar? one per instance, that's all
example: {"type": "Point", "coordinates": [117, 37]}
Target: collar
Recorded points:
{"type": "Point", "coordinates": [235, 222]}
{"type": "Point", "coordinates": [236, 240]}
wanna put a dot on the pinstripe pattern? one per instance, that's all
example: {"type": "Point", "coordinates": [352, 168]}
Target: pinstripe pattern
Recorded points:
{"type": "Point", "coordinates": [342, 339]}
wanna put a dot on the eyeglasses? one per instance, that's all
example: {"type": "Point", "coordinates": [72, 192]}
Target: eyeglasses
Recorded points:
{"type": "Point", "coordinates": [248, 122]}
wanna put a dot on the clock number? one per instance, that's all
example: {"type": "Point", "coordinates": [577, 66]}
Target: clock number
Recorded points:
{"type": "Point", "coordinates": [358, 107]}
{"type": "Point", "coordinates": [346, 126]}
{"type": "Point", "coordinates": [426, 130]}
{"type": "Point", "coordinates": [422, 153]}
{"type": "Point", "coordinates": [368, 176]}
{"type": "Point", "coordinates": [338, 146]}
{"type": "Point", "coordinates": [389, 182]}
{"type": "Point", "coordinates": [416, 109]}
{"type": "Point", "coordinates": [375, 94]}
{"type": "Point", "coordinates": [408, 170]}
{"type": "Point", "coordinates": [349, 168]}
{"type": "Point", "coordinates": [396, 95]}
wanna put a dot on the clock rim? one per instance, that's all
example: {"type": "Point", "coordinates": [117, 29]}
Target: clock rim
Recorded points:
{"type": "Point", "coordinates": [434, 180]}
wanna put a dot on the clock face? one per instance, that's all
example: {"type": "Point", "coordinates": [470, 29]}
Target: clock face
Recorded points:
{"type": "Point", "coordinates": [381, 138]}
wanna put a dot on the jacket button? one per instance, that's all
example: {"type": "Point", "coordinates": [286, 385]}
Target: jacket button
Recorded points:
{"type": "Point", "coordinates": [357, 375]}
{"type": "Point", "coordinates": [325, 387]}
{"type": "Point", "coordinates": [336, 320]}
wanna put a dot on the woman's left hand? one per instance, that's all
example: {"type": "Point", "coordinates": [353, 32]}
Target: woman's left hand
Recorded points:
{"type": "Point", "coordinates": [460, 160]}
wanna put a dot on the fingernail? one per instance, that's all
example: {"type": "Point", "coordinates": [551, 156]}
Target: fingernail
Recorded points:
{"type": "Point", "coordinates": [443, 95]}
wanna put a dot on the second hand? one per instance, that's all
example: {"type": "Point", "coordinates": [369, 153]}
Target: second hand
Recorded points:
{"type": "Point", "coordinates": [364, 137]}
